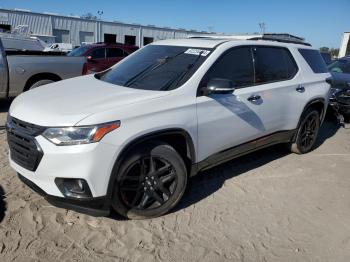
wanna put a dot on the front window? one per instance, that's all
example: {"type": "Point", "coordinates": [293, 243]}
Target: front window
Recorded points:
{"type": "Point", "coordinates": [157, 67]}
{"type": "Point", "coordinates": [79, 51]}
{"type": "Point", "coordinates": [340, 66]}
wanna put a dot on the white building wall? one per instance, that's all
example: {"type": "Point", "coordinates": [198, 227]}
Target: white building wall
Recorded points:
{"type": "Point", "coordinates": [82, 30]}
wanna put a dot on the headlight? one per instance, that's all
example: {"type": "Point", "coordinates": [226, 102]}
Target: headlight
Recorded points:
{"type": "Point", "coordinates": [79, 135]}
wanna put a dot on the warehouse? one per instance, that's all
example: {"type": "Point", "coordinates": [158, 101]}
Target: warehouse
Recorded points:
{"type": "Point", "coordinates": [54, 28]}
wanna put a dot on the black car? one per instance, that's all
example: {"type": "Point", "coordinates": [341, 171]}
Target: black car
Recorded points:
{"type": "Point", "coordinates": [340, 89]}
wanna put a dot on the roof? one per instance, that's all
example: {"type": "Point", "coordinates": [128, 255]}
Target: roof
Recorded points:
{"type": "Point", "coordinates": [210, 42]}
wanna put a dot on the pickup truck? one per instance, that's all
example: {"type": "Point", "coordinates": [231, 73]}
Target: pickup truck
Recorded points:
{"type": "Point", "coordinates": [23, 70]}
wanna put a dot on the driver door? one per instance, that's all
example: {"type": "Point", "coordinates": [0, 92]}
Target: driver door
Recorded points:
{"type": "Point", "coordinates": [228, 120]}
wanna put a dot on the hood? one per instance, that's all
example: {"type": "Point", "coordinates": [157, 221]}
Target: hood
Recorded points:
{"type": "Point", "coordinates": [340, 80]}
{"type": "Point", "coordinates": [67, 102]}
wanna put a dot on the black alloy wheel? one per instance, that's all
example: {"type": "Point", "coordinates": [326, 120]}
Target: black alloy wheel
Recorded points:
{"type": "Point", "coordinates": [148, 183]}
{"type": "Point", "coordinates": [151, 181]}
{"type": "Point", "coordinates": [307, 132]}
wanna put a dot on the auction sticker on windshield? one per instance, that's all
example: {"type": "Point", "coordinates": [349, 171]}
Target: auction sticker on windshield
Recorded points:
{"type": "Point", "coordinates": [201, 52]}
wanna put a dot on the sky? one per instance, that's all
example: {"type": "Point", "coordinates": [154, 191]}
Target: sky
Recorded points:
{"type": "Point", "coordinates": [320, 22]}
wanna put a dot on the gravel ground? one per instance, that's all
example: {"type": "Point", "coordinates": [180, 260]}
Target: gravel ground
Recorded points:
{"type": "Point", "coordinates": [267, 206]}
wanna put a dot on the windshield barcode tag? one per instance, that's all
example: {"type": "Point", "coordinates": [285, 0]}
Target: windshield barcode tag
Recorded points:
{"type": "Point", "coordinates": [197, 52]}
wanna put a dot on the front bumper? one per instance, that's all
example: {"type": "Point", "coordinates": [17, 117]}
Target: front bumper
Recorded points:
{"type": "Point", "coordinates": [94, 206]}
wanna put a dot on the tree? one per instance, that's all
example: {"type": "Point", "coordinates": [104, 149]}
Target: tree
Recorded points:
{"type": "Point", "coordinates": [333, 51]}
{"type": "Point", "coordinates": [324, 49]}
{"type": "Point", "coordinates": [89, 16]}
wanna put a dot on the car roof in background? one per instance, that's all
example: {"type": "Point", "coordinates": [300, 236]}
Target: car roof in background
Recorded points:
{"type": "Point", "coordinates": [110, 45]}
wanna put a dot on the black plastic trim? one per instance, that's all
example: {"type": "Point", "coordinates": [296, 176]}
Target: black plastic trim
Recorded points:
{"type": "Point", "coordinates": [94, 206]}
{"type": "Point", "coordinates": [245, 148]}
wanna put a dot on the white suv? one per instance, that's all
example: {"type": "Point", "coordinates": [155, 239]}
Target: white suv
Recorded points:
{"type": "Point", "coordinates": [130, 137]}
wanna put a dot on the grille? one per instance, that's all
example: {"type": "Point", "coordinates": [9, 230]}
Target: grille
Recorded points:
{"type": "Point", "coordinates": [24, 149]}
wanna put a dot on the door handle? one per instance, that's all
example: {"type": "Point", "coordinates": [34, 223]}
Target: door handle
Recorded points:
{"type": "Point", "coordinates": [300, 89]}
{"type": "Point", "coordinates": [254, 98]}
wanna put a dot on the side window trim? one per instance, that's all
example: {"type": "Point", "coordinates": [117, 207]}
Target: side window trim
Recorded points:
{"type": "Point", "coordinates": [218, 60]}
{"type": "Point", "coordinates": [289, 54]}
{"type": "Point", "coordinates": [254, 67]}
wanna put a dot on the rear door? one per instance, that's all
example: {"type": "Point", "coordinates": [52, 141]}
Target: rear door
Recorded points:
{"type": "Point", "coordinates": [3, 72]}
{"type": "Point", "coordinates": [114, 55]}
{"type": "Point", "coordinates": [276, 83]}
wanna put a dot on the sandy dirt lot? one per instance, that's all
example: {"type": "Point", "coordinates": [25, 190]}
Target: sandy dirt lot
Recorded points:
{"type": "Point", "coordinates": [267, 206]}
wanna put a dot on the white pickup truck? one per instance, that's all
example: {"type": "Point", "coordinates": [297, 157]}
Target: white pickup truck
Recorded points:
{"type": "Point", "coordinates": [24, 70]}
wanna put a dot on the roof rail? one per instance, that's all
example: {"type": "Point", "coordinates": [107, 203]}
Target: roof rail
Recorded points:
{"type": "Point", "coordinates": [280, 40]}
{"type": "Point", "coordinates": [284, 38]}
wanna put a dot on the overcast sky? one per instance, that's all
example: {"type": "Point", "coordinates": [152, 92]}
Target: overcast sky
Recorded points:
{"type": "Point", "coordinates": [320, 22]}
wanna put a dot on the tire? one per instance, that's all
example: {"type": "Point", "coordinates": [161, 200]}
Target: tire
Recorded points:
{"type": "Point", "coordinates": [41, 83]}
{"type": "Point", "coordinates": [307, 132]}
{"type": "Point", "coordinates": [163, 187]}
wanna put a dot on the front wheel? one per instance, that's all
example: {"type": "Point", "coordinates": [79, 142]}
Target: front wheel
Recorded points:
{"type": "Point", "coordinates": [41, 83]}
{"type": "Point", "coordinates": [307, 132]}
{"type": "Point", "coordinates": [150, 182]}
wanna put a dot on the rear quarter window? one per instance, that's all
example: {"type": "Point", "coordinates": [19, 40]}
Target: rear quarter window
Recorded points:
{"type": "Point", "coordinates": [315, 60]}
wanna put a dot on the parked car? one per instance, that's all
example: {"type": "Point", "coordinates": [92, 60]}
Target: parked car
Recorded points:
{"type": "Point", "coordinates": [102, 56]}
{"type": "Point", "coordinates": [130, 137]}
{"type": "Point", "coordinates": [24, 70]}
{"type": "Point", "coordinates": [340, 90]}
{"type": "Point", "coordinates": [59, 47]}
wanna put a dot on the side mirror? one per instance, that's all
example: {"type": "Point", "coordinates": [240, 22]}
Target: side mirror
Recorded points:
{"type": "Point", "coordinates": [90, 59]}
{"type": "Point", "coordinates": [219, 86]}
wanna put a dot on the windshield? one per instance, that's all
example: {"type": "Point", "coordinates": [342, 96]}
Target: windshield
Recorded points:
{"type": "Point", "coordinates": [340, 66]}
{"type": "Point", "coordinates": [78, 51]}
{"type": "Point", "coordinates": [157, 67]}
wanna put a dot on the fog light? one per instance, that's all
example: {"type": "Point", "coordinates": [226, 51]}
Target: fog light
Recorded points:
{"type": "Point", "coordinates": [74, 188]}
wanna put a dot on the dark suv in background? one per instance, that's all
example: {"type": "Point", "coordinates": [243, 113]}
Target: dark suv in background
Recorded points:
{"type": "Point", "coordinates": [340, 91]}
{"type": "Point", "coordinates": [101, 56]}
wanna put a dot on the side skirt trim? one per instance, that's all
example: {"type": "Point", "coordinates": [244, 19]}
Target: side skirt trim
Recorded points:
{"type": "Point", "coordinates": [243, 149]}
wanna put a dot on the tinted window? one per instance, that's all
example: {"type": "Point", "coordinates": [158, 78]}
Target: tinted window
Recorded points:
{"type": "Point", "coordinates": [157, 67]}
{"type": "Point", "coordinates": [79, 51]}
{"type": "Point", "coordinates": [98, 53]}
{"type": "Point", "coordinates": [115, 52]}
{"type": "Point", "coordinates": [315, 60]}
{"type": "Point", "coordinates": [273, 64]}
{"type": "Point", "coordinates": [340, 66]}
{"type": "Point", "coordinates": [236, 65]}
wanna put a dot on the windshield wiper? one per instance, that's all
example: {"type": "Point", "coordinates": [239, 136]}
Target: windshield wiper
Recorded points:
{"type": "Point", "coordinates": [149, 69]}
{"type": "Point", "coordinates": [181, 75]}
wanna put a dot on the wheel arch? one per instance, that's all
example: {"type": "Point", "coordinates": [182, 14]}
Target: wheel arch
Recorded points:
{"type": "Point", "coordinates": [319, 105]}
{"type": "Point", "coordinates": [40, 76]}
{"type": "Point", "coordinates": [179, 138]}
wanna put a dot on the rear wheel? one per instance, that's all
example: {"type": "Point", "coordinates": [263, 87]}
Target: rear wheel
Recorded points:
{"type": "Point", "coordinates": [150, 181]}
{"type": "Point", "coordinates": [307, 132]}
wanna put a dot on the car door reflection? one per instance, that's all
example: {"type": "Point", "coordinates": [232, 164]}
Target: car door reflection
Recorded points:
{"type": "Point", "coordinates": [234, 104]}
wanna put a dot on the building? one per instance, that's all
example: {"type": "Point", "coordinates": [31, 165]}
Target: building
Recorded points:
{"type": "Point", "coordinates": [345, 45]}
{"type": "Point", "coordinates": [54, 28]}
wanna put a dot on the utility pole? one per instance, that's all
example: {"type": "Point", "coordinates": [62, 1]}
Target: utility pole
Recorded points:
{"type": "Point", "coordinates": [100, 13]}
{"type": "Point", "coordinates": [262, 26]}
